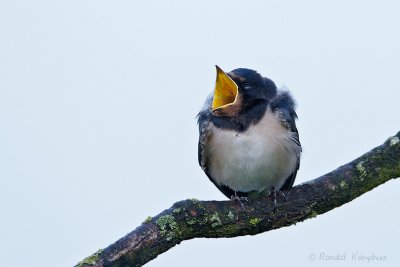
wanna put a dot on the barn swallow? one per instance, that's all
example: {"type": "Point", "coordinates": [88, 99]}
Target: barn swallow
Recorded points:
{"type": "Point", "coordinates": [248, 137]}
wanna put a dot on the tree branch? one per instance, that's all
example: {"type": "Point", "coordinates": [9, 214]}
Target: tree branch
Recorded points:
{"type": "Point", "coordinates": [193, 218]}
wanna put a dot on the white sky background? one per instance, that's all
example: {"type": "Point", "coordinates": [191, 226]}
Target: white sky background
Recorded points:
{"type": "Point", "coordinates": [97, 121]}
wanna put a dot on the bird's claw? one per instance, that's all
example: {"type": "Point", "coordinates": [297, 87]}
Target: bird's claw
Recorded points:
{"type": "Point", "coordinates": [274, 193]}
{"type": "Point", "coordinates": [239, 199]}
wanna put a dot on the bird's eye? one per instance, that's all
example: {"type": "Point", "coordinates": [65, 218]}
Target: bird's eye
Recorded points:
{"type": "Point", "coordinates": [246, 86]}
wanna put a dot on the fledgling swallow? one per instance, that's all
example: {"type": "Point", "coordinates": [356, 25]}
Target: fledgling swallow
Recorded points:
{"type": "Point", "coordinates": [248, 137]}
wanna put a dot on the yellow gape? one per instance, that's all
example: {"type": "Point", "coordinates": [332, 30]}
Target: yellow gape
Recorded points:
{"type": "Point", "coordinates": [225, 92]}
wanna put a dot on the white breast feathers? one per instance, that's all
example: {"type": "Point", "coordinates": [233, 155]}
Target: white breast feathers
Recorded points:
{"type": "Point", "coordinates": [259, 158]}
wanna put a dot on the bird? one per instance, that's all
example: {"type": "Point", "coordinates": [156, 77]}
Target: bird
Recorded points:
{"type": "Point", "coordinates": [248, 139]}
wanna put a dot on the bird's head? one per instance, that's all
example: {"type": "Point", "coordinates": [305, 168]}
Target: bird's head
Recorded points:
{"type": "Point", "coordinates": [239, 90]}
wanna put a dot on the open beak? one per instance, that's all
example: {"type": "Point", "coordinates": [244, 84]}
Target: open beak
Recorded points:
{"type": "Point", "coordinates": [225, 92]}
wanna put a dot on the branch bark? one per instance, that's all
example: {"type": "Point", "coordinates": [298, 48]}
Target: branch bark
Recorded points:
{"type": "Point", "coordinates": [192, 218]}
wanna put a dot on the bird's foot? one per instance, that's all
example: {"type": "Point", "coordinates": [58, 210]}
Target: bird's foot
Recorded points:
{"type": "Point", "coordinates": [273, 193]}
{"type": "Point", "coordinates": [239, 199]}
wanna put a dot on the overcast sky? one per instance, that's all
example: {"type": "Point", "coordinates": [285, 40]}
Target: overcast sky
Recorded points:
{"type": "Point", "coordinates": [97, 121]}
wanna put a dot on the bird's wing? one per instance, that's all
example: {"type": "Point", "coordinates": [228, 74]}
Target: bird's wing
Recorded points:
{"type": "Point", "coordinates": [283, 105]}
{"type": "Point", "coordinates": [288, 120]}
{"type": "Point", "coordinates": [204, 135]}
{"type": "Point", "coordinates": [203, 139]}
{"type": "Point", "coordinates": [203, 119]}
